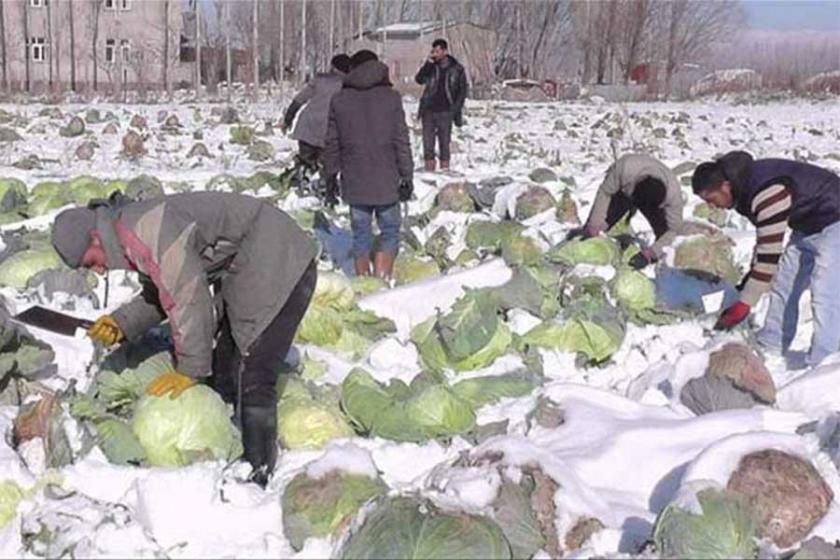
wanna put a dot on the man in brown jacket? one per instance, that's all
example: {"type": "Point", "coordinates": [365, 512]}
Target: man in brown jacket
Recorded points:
{"type": "Point", "coordinates": [367, 142]}
{"type": "Point", "coordinates": [260, 264]}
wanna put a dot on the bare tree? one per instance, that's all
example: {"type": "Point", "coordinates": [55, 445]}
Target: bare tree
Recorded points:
{"type": "Point", "coordinates": [49, 47]}
{"type": "Point", "coordinates": [228, 54]}
{"type": "Point", "coordinates": [96, 8]}
{"type": "Point", "coordinates": [28, 40]}
{"type": "Point", "coordinates": [71, 21]}
{"type": "Point", "coordinates": [3, 58]}
{"type": "Point", "coordinates": [166, 38]}
{"type": "Point", "coordinates": [633, 25]}
{"type": "Point", "coordinates": [197, 9]}
{"type": "Point", "coordinates": [256, 49]}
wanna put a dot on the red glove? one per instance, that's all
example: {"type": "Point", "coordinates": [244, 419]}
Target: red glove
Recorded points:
{"type": "Point", "coordinates": [732, 316]}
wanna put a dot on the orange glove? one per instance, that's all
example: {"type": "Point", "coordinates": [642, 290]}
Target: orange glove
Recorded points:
{"type": "Point", "coordinates": [169, 382]}
{"type": "Point", "coordinates": [106, 331]}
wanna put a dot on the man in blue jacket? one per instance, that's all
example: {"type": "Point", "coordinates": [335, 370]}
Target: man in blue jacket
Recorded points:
{"type": "Point", "coordinates": [777, 194]}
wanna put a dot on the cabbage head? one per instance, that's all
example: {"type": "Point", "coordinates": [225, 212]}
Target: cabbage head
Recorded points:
{"type": "Point", "coordinates": [82, 190]}
{"type": "Point", "coordinates": [595, 340]}
{"type": "Point", "coordinates": [409, 528]}
{"type": "Point", "coordinates": [194, 427]}
{"type": "Point", "coordinates": [633, 290]}
{"type": "Point", "coordinates": [318, 507]}
{"type": "Point", "coordinates": [367, 285]}
{"type": "Point", "coordinates": [712, 254]}
{"type": "Point", "coordinates": [12, 194]}
{"type": "Point", "coordinates": [334, 290]}
{"type": "Point", "coordinates": [521, 251]}
{"type": "Point", "coordinates": [455, 197]}
{"type": "Point", "coordinates": [489, 236]}
{"type": "Point", "coordinates": [534, 201]}
{"type": "Point", "coordinates": [595, 251]}
{"type": "Point", "coordinates": [471, 336]}
{"type": "Point", "coordinates": [423, 410]}
{"type": "Point", "coordinates": [408, 269]}
{"type": "Point", "coordinates": [16, 270]}
{"type": "Point", "coordinates": [725, 529]}
{"type": "Point", "coordinates": [321, 326]}
{"type": "Point", "coordinates": [10, 496]}
{"type": "Point", "coordinates": [306, 421]}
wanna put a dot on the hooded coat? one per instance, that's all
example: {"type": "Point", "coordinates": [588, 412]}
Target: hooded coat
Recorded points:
{"type": "Point", "coordinates": [181, 245]}
{"type": "Point", "coordinates": [367, 138]}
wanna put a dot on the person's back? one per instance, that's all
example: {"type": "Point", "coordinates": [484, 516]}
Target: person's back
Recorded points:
{"type": "Point", "coordinates": [368, 138]}
{"type": "Point", "coordinates": [311, 126]}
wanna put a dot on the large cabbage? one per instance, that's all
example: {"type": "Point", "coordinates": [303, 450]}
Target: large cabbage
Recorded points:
{"type": "Point", "coordinates": [489, 236]}
{"type": "Point", "coordinates": [725, 529]}
{"type": "Point", "coordinates": [521, 251]}
{"type": "Point", "coordinates": [470, 336]}
{"type": "Point", "coordinates": [595, 250]}
{"type": "Point", "coordinates": [423, 410]}
{"type": "Point", "coordinates": [334, 290]}
{"type": "Point", "coordinates": [82, 190]}
{"type": "Point", "coordinates": [409, 268]}
{"type": "Point", "coordinates": [636, 295]}
{"type": "Point", "coordinates": [710, 254]}
{"type": "Point", "coordinates": [317, 507]}
{"type": "Point", "coordinates": [194, 427]}
{"type": "Point", "coordinates": [405, 528]}
{"type": "Point", "coordinates": [16, 270]}
{"type": "Point", "coordinates": [307, 419]}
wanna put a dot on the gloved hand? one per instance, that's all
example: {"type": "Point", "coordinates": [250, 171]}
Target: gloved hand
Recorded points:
{"type": "Point", "coordinates": [171, 381]}
{"type": "Point", "coordinates": [406, 190]}
{"type": "Point", "coordinates": [331, 192]}
{"type": "Point", "coordinates": [642, 259]}
{"type": "Point", "coordinates": [584, 232]}
{"type": "Point", "coordinates": [105, 331]}
{"type": "Point", "coordinates": [732, 316]}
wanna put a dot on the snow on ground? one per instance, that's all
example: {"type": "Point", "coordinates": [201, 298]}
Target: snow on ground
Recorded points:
{"type": "Point", "coordinates": [626, 445]}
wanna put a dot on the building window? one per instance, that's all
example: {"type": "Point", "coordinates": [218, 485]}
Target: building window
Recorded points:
{"type": "Point", "coordinates": [37, 3]}
{"type": "Point", "coordinates": [125, 4]}
{"type": "Point", "coordinates": [37, 49]}
{"type": "Point", "coordinates": [125, 48]}
{"type": "Point", "coordinates": [110, 4]}
{"type": "Point", "coordinates": [110, 51]}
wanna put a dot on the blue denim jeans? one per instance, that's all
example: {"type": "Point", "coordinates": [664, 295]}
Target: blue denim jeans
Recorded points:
{"type": "Point", "coordinates": [808, 261]}
{"type": "Point", "coordinates": [388, 219]}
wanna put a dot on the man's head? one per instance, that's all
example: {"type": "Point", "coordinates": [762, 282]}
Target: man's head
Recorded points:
{"type": "Point", "coordinates": [76, 240]}
{"type": "Point", "coordinates": [709, 182]}
{"type": "Point", "coordinates": [362, 56]}
{"type": "Point", "coordinates": [440, 49]}
{"type": "Point", "coordinates": [341, 62]}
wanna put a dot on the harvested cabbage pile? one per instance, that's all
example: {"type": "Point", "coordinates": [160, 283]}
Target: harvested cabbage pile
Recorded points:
{"type": "Point", "coordinates": [471, 336]}
{"type": "Point", "coordinates": [595, 251]}
{"type": "Point", "coordinates": [333, 320]}
{"type": "Point", "coordinates": [724, 528]}
{"type": "Point", "coordinates": [410, 528]}
{"type": "Point", "coordinates": [423, 410]}
{"type": "Point", "coordinates": [318, 507]}
{"type": "Point", "coordinates": [307, 416]}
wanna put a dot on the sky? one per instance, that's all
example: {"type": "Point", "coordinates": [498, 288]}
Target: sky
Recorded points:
{"type": "Point", "coordinates": [790, 15]}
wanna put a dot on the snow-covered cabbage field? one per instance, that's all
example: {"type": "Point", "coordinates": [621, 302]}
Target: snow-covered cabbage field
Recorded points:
{"type": "Point", "coordinates": [595, 444]}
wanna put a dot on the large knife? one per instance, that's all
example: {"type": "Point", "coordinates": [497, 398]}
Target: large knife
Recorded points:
{"type": "Point", "coordinates": [53, 321]}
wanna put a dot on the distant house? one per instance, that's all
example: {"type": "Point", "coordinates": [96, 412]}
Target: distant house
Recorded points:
{"type": "Point", "coordinates": [405, 46]}
{"type": "Point", "coordinates": [114, 43]}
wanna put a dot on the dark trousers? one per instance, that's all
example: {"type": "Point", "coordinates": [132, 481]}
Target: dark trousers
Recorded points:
{"type": "Point", "coordinates": [436, 126]}
{"type": "Point", "coordinates": [309, 154]}
{"type": "Point", "coordinates": [621, 205]}
{"type": "Point", "coordinates": [262, 364]}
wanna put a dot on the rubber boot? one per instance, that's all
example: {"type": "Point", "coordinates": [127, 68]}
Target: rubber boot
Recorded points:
{"type": "Point", "coordinates": [362, 266]}
{"type": "Point", "coordinates": [259, 438]}
{"type": "Point", "coordinates": [430, 165]}
{"type": "Point", "coordinates": [383, 265]}
{"type": "Point", "coordinates": [444, 165]}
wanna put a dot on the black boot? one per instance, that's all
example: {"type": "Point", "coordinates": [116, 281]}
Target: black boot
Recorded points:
{"type": "Point", "coordinates": [259, 438]}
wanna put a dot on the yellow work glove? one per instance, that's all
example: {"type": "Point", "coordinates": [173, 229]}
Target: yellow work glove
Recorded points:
{"type": "Point", "coordinates": [171, 381]}
{"type": "Point", "coordinates": [106, 331]}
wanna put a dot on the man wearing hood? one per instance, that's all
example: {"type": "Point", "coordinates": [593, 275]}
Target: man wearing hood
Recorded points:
{"type": "Point", "coordinates": [368, 143]}
{"type": "Point", "coordinates": [638, 182]}
{"type": "Point", "coordinates": [777, 194]}
{"type": "Point", "coordinates": [311, 128]}
{"type": "Point", "coordinates": [442, 103]}
{"type": "Point", "coordinates": [261, 267]}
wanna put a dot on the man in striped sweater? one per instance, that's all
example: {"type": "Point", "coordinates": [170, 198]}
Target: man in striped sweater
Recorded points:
{"type": "Point", "coordinates": [777, 194]}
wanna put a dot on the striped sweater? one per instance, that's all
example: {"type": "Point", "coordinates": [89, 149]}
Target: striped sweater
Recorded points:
{"type": "Point", "coordinates": [771, 207]}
